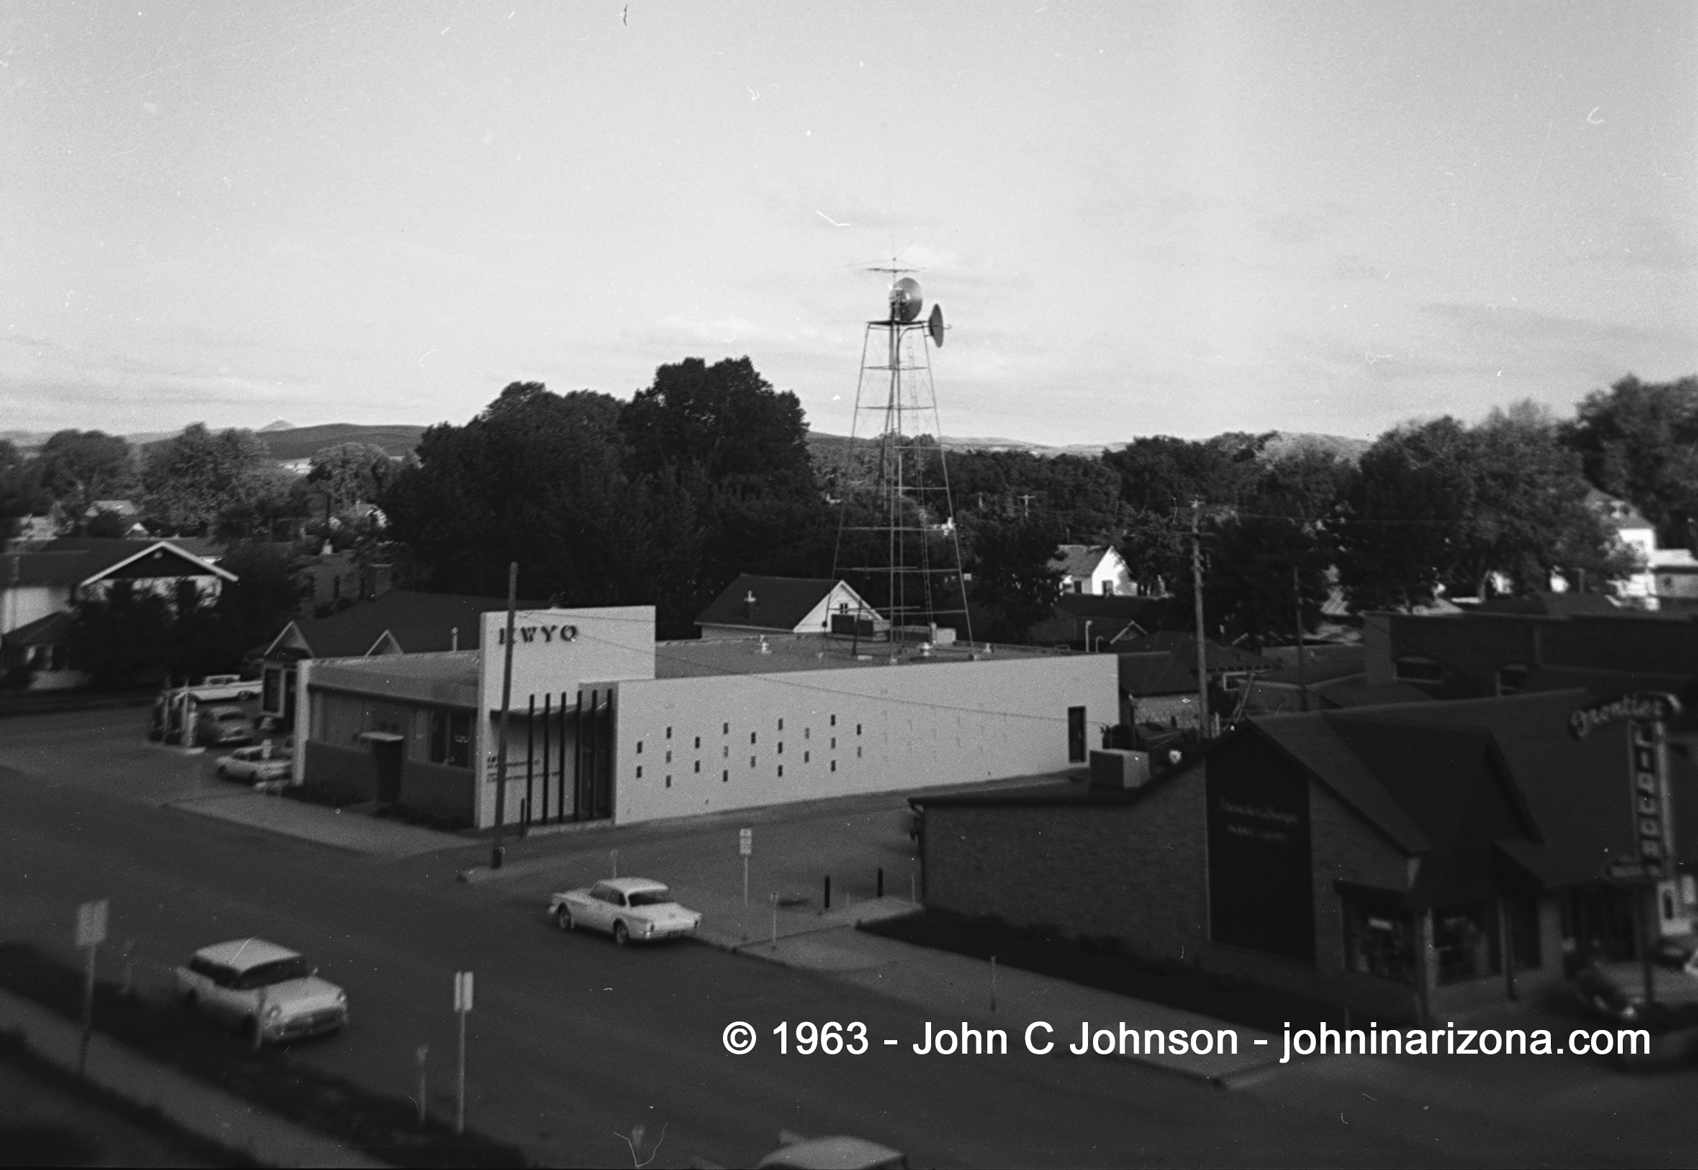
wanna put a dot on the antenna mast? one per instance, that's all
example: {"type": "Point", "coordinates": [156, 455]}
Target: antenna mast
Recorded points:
{"type": "Point", "coordinates": [896, 534]}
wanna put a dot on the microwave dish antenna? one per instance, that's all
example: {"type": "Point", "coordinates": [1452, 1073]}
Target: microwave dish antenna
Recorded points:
{"type": "Point", "coordinates": [934, 326]}
{"type": "Point", "coordinates": [905, 300]}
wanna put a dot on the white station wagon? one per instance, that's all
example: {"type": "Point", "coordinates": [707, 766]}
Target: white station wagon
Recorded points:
{"type": "Point", "coordinates": [256, 765]}
{"type": "Point", "coordinates": [250, 983]}
{"type": "Point", "coordinates": [628, 908]}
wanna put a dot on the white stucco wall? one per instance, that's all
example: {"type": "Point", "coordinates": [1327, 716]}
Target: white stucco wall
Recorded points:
{"type": "Point", "coordinates": [847, 731]}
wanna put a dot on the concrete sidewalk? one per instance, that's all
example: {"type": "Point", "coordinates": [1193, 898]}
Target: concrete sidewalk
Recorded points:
{"type": "Point", "coordinates": [197, 1107]}
{"type": "Point", "coordinates": [955, 988]}
{"type": "Point", "coordinates": [353, 832]}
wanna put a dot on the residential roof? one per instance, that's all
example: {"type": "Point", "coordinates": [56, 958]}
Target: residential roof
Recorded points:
{"type": "Point", "coordinates": [1079, 560]}
{"type": "Point", "coordinates": [1320, 663]}
{"type": "Point", "coordinates": [418, 622]}
{"type": "Point", "coordinates": [43, 631]}
{"type": "Point", "coordinates": [1551, 604]}
{"type": "Point", "coordinates": [779, 604]}
{"type": "Point", "coordinates": [1156, 672]}
{"type": "Point", "coordinates": [70, 561]}
{"type": "Point", "coordinates": [1181, 644]}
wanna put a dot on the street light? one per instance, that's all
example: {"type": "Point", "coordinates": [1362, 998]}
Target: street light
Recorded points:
{"type": "Point", "coordinates": [1087, 635]}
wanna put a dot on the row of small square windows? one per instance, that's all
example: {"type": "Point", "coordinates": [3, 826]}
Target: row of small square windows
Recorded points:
{"type": "Point", "coordinates": [807, 733]}
{"type": "Point", "coordinates": [725, 774]}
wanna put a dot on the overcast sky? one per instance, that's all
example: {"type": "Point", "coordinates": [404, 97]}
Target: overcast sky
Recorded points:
{"type": "Point", "coordinates": [1139, 218]}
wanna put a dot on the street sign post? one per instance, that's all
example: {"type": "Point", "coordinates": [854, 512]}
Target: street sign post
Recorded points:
{"type": "Point", "coordinates": [745, 847]}
{"type": "Point", "coordinates": [462, 1006]}
{"type": "Point", "coordinates": [91, 932]}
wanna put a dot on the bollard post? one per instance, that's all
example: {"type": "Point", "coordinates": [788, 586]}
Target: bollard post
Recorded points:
{"type": "Point", "coordinates": [827, 892]}
{"type": "Point", "coordinates": [423, 1053]}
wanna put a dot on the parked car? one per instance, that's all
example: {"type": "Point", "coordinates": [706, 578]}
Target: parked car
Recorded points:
{"type": "Point", "coordinates": [249, 983]}
{"type": "Point", "coordinates": [217, 726]}
{"type": "Point", "coordinates": [628, 908]}
{"type": "Point", "coordinates": [259, 764]}
{"type": "Point", "coordinates": [840, 1152]}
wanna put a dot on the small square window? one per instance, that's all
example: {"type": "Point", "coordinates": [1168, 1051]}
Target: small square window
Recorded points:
{"type": "Point", "coordinates": [668, 733]}
{"type": "Point", "coordinates": [834, 765]}
{"type": "Point", "coordinates": [857, 753]}
{"type": "Point", "coordinates": [781, 725]}
{"type": "Point", "coordinates": [725, 777]}
{"type": "Point", "coordinates": [751, 737]}
{"type": "Point", "coordinates": [781, 747]}
{"type": "Point", "coordinates": [726, 730]}
{"type": "Point", "coordinates": [639, 747]}
{"type": "Point", "coordinates": [857, 729]}
{"type": "Point", "coordinates": [669, 782]}
{"type": "Point", "coordinates": [834, 721]}
{"type": "Point", "coordinates": [781, 771]}
{"type": "Point", "coordinates": [805, 757]}
{"type": "Point", "coordinates": [698, 741]}
{"type": "Point", "coordinates": [698, 765]}
{"type": "Point", "coordinates": [639, 771]}
{"type": "Point", "coordinates": [751, 761]}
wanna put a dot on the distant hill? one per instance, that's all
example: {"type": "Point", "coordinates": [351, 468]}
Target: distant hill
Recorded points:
{"type": "Point", "coordinates": [278, 425]}
{"type": "Point", "coordinates": [1279, 446]}
{"type": "Point", "coordinates": [305, 442]}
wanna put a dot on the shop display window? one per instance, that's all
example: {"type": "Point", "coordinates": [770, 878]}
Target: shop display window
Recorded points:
{"type": "Point", "coordinates": [1465, 939]}
{"type": "Point", "coordinates": [1379, 937]}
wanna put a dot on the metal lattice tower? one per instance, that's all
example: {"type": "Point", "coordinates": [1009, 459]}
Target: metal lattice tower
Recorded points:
{"type": "Point", "coordinates": [897, 540]}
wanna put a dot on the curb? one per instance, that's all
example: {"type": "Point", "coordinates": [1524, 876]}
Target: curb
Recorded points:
{"type": "Point", "coordinates": [198, 1108]}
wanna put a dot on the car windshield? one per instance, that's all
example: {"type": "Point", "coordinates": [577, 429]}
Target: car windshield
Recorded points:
{"type": "Point", "coordinates": [650, 897]}
{"type": "Point", "coordinates": [276, 971]}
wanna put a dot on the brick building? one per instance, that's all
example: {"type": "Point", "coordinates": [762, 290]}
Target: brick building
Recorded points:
{"type": "Point", "coordinates": [1399, 860]}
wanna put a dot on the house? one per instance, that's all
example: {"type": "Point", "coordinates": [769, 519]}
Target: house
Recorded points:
{"type": "Point", "coordinates": [1158, 675]}
{"type": "Point", "coordinates": [1397, 861]}
{"type": "Point", "coordinates": [383, 622]}
{"type": "Point", "coordinates": [41, 585]}
{"type": "Point", "coordinates": [1330, 676]}
{"type": "Point", "coordinates": [1662, 572]}
{"type": "Point", "coordinates": [753, 605]}
{"type": "Point", "coordinates": [1094, 621]}
{"type": "Point", "coordinates": [1092, 568]}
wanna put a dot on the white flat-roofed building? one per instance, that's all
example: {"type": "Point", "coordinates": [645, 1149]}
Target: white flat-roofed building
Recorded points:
{"type": "Point", "coordinates": [607, 724]}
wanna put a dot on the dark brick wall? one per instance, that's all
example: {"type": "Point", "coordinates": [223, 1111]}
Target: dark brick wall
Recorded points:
{"type": "Point", "coordinates": [1133, 872]}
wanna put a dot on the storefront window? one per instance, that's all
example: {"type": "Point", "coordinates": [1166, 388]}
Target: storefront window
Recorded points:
{"type": "Point", "coordinates": [1379, 937]}
{"type": "Point", "coordinates": [451, 738]}
{"type": "Point", "coordinates": [1466, 939]}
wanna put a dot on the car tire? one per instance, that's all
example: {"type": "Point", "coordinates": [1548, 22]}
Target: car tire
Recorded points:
{"type": "Point", "coordinates": [621, 933]}
{"type": "Point", "coordinates": [563, 918]}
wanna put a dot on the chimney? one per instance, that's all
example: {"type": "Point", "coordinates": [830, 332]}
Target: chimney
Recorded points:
{"type": "Point", "coordinates": [375, 581]}
{"type": "Point", "coordinates": [749, 604]}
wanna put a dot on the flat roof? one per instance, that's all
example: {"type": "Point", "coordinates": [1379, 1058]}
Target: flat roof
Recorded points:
{"type": "Point", "coordinates": [715, 656]}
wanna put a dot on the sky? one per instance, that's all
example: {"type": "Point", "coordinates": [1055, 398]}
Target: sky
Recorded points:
{"type": "Point", "coordinates": [1152, 218]}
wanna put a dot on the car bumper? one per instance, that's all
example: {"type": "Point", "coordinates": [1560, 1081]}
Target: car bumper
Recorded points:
{"type": "Point", "coordinates": [312, 1024]}
{"type": "Point", "coordinates": [660, 932]}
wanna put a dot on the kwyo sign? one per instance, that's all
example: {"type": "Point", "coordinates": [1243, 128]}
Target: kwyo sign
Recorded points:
{"type": "Point", "coordinates": [1640, 706]}
{"type": "Point", "coordinates": [544, 634]}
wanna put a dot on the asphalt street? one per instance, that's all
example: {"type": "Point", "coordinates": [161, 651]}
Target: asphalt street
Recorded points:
{"type": "Point", "coordinates": [574, 1042]}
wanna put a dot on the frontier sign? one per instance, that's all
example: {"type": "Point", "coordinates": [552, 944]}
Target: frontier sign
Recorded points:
{"type": "Point", "coordinates": [1640, 707]}
{"type": "Point", "coordinates": [1647, 773]}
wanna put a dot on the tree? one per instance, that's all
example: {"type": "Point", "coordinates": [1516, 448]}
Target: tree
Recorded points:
{"type": "Point", "coordinates": [79, 467]}
{"type": "Point", "coordinates": [21, 493]}
{"type": "Point", "coordinates": [351, 473]}
{"type": "Point", "coordinates": [121, 639]}
{"type": "Point", "coordinates": [196, 480]}
{"type": "Point", "coordinates": [1014, 582]}
{"type": "Point", "coordinates": [1639, 441]}
{"type": "Point", "coordinates": [538, 478]}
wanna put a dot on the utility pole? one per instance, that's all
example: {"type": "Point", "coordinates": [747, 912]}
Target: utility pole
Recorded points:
{"type": "Point", "coordinates": [496, 851]}
{"type": "Point", "coordinates": [1197, 593]}
{"type": "Point", "coordinates": [1297, 599]}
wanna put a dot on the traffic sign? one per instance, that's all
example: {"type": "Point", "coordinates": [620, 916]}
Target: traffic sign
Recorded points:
{"type": "Point", "coordinates": [91, 923]}
{"type": "Point", "coordinates": [745, 841]}
{"type": "Point", "coordinates": [462, 991]}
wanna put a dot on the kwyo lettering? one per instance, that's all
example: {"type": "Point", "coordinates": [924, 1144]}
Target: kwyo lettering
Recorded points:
{"type": "Point", "coordinates": [544, 634]}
